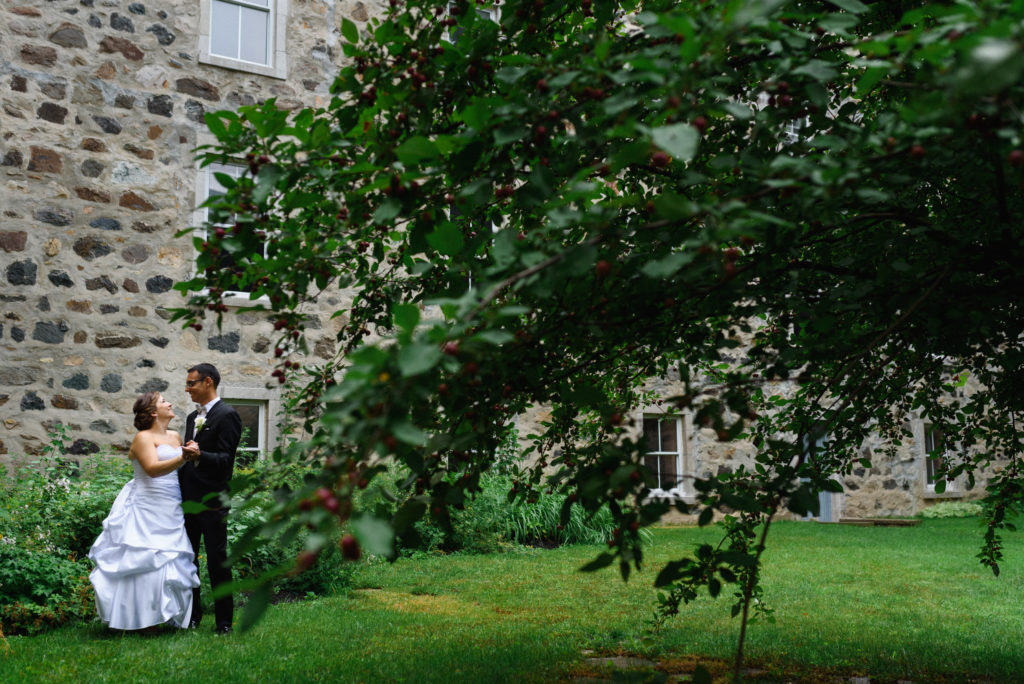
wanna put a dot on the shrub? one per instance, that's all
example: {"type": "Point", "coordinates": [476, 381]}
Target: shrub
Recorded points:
{"type": "Point", "coordinates": [953, 509]}
{"type": "Point", "coordinates": [490, 523]}
{"type": "Point", "coordinates": [41, 590]}
{"type": "Point", "coordinates": [253, 484]}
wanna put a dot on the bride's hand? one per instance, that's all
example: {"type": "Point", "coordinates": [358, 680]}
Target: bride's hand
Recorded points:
{"type": "Point", "coordinates": [190, 452]}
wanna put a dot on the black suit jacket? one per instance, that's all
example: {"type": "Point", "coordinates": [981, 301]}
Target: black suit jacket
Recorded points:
{"type": "Point", "coordinates": [218, 441]}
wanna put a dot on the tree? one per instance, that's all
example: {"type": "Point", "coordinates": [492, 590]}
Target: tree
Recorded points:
{"type": "Point", "coordinates": [570, 200]}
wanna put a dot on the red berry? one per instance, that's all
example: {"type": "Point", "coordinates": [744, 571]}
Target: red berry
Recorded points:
{"type": "Point", "coordinates": [1015, 158]}
{"type": "Point", "coordinates": [660, 159]}
{"type": "Point", "coordinates": [350, 548]}
{"type": "Point", "coordinates": [603, 268]}
{"type": "Point", "coordinates": [615, 419]}
{"type": "Point", "coordinates": [451, 348]}
{"type": "Point", "coordinates": [917, 151]}
{"type": "Point", "coordinates": [700, 123]}
{"type": "Point", "coordinates": [304, 561]}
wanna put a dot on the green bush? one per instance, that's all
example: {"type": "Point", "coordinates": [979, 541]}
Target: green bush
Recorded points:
{"type": "Point", "coordinates": [953, 509]}
{"type": "Point", "coordinates": [40, 590]}
{"type": "Point", "coordinates": [330, 574]}
{"type": "Point", "coordinates": [489, 523]}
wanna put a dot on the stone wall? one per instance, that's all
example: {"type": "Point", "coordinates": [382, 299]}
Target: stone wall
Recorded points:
{"type": "Point", "coordinates": [101, 105]}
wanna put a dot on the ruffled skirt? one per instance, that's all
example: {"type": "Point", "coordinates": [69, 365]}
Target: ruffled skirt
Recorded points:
{"type": "Point", "coordinates": [144, 572]}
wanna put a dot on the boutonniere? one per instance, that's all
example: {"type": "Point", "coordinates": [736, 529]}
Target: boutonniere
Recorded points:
{"type": "Point", "coordinates": [200, 422]}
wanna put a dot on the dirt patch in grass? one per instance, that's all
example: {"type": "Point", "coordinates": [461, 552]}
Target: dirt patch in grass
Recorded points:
{"type": "Point", "coordinates": [417, 602]}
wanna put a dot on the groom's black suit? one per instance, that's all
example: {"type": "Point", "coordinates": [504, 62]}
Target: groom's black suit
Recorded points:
{"type": "Point", "coordinates": [211, 474]}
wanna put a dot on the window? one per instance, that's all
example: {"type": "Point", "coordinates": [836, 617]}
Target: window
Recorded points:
{"type": "Point", "coordinates": [663, 452]}
{"type": "Point", "coordinates": [482, 12]}
{"type": "Point", "coordinates": [254, 429]}
{"type": "Point", "coordinates": [209, 186]}
{"type": "Point", "coordinates": [247, 35]}
{"type": "Point", "coordinates": [934, 456]}
{"type": "Point", "coordinates": [829, 503]}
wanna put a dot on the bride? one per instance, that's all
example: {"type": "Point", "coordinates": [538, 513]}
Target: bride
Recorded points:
{"type": "Point", "coordinates": [144, 572]}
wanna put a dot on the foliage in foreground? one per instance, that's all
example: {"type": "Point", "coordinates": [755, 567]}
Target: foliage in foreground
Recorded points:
{"type": "Point", "coordinates": [571, 200]}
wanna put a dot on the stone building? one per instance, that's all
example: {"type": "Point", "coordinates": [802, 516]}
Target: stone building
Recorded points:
{"type": "Point", "coordinates": [101, 106]}
{"type": "Point", "coordinates": [102, 103]}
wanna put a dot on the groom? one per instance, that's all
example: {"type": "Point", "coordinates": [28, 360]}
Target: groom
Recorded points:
{"type": "Point", "coordinates": [211, 439]}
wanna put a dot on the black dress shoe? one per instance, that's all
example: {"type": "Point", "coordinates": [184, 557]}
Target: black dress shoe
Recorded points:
{"type": "Point", "coordinates": [223, 629]}
{"type": "Point", "coordinates": [194, 624]}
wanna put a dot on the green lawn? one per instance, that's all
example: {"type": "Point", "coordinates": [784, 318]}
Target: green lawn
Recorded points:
{"type": "Point", "coordinates": [885, 602]}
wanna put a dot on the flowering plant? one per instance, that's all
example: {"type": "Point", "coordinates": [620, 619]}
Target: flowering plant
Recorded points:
{"type": "Point", "coordinates": [200, 422]}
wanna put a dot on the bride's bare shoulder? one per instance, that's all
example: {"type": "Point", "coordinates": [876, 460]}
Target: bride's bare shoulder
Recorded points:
{"type": "Point", "coordinates": [142, 440]}
{"type": "Point", "coordinates": [174, 437]}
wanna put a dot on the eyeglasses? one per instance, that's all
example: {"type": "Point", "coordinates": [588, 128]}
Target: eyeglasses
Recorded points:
{"type": "Point", "coordinates": [189, 383]}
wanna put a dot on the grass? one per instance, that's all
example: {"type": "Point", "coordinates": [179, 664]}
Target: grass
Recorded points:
{"type": "Point", "coordinates": [890, 603]}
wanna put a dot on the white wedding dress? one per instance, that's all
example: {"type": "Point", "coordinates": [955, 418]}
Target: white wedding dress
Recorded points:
{"type": "Point", "coordinates": [144, 572]}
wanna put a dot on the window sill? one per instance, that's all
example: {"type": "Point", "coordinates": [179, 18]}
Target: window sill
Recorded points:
{"type": "Point", "coordinates": [948, 494]}
{"type": "Point", "coordinates": [278, 70]}
{"type": "Point", "coordinates": [672, 495]}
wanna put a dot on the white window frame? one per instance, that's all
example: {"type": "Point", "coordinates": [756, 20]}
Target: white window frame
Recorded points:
{"type": "Point", "coordinates": [927, 443]}
{"type": "Point", "coordinates": [683, 488]}
{"type": "Point", "coordinates": [489, 12]}
{"type": "Point", "coordinates": [269, 403]}
{"type": "Point", "coordinates": [204, 181]}
{"type": "Point", "coordinates": [277, 21]}
{"type": "Point", "coordinates": [830, 504]}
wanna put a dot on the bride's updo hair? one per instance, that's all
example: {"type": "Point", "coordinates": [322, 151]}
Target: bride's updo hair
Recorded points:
{"type": "Point", "coordinates": [145, 410]}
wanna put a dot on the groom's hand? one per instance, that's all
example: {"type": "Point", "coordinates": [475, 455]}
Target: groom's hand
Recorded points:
{"type": "Point", "coordinates": [190, 451]}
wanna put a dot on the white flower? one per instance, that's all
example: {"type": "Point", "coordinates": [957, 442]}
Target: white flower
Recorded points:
{"type": "Point", "coordinates": [200, 422]}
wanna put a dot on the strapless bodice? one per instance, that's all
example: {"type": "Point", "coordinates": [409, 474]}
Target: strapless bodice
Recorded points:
{"type": "Point", "coordinates": [166, 485]}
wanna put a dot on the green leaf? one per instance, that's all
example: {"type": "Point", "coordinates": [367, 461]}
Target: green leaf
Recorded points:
{"type": "Point", "coordinates": [602, 561]}
{"type": "Point", "coordinates": [257, 604]}
{"type": "Point", "coordinates": [680, 140]}
{"type": "Point", "coordinates": [818, 70]}
{"type": "Point", "coordinates": [266, 181]}
{"type": "Point", "coordinates": [668, 265]}
{"type": "Point", "coordinates": [215, 125]}
{"type": "Point", "coordinates": [494, 337]}
{"type": "Point", "coordinates": [408, 514]}
{"type": "Point", "coordinates": [705, 517]}
{"type": "Point", "coordinates": [415, 150]}
{"type": "Point", "coordinates": [404, 431]}
{"type": "Point", "coordinates": [418, 358]}
{"type": "Point", "coordinates": [407, 316]}
{"type": "Point", "coordinates": [446, 239]}
{"type": "Point", "coordinates": [349, 30]}
{"type": "Point", "coordinates": [870, 79]}
{"type": "Point", "coordinates": [387, 211]}
{"type": "Point", "coordinates": [375, 535]}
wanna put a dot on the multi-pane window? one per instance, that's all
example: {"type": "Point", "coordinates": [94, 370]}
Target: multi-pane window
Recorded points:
{"type": "Point", "coordinates": [490, 13]}
{"type": "Point", "coordinates": [245, 35]}
{"type": "Point", "coordinates": [254, 429]}
{"type": "Point", "coordinates": [933, 453]}
{"type": "Point", "coordinates": [663, 447]}
{"type": "Point", "coordinates": [211, 186]}
{"type": "Point", "coordinates": [242, 30]}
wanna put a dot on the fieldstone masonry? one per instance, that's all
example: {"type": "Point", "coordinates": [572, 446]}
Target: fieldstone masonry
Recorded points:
{"type": "Point", "coordinates": [101, 105]}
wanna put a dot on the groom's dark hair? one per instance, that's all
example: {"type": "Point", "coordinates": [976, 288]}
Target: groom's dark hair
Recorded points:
{"type": "Point", "coordinates": [206, 370]}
